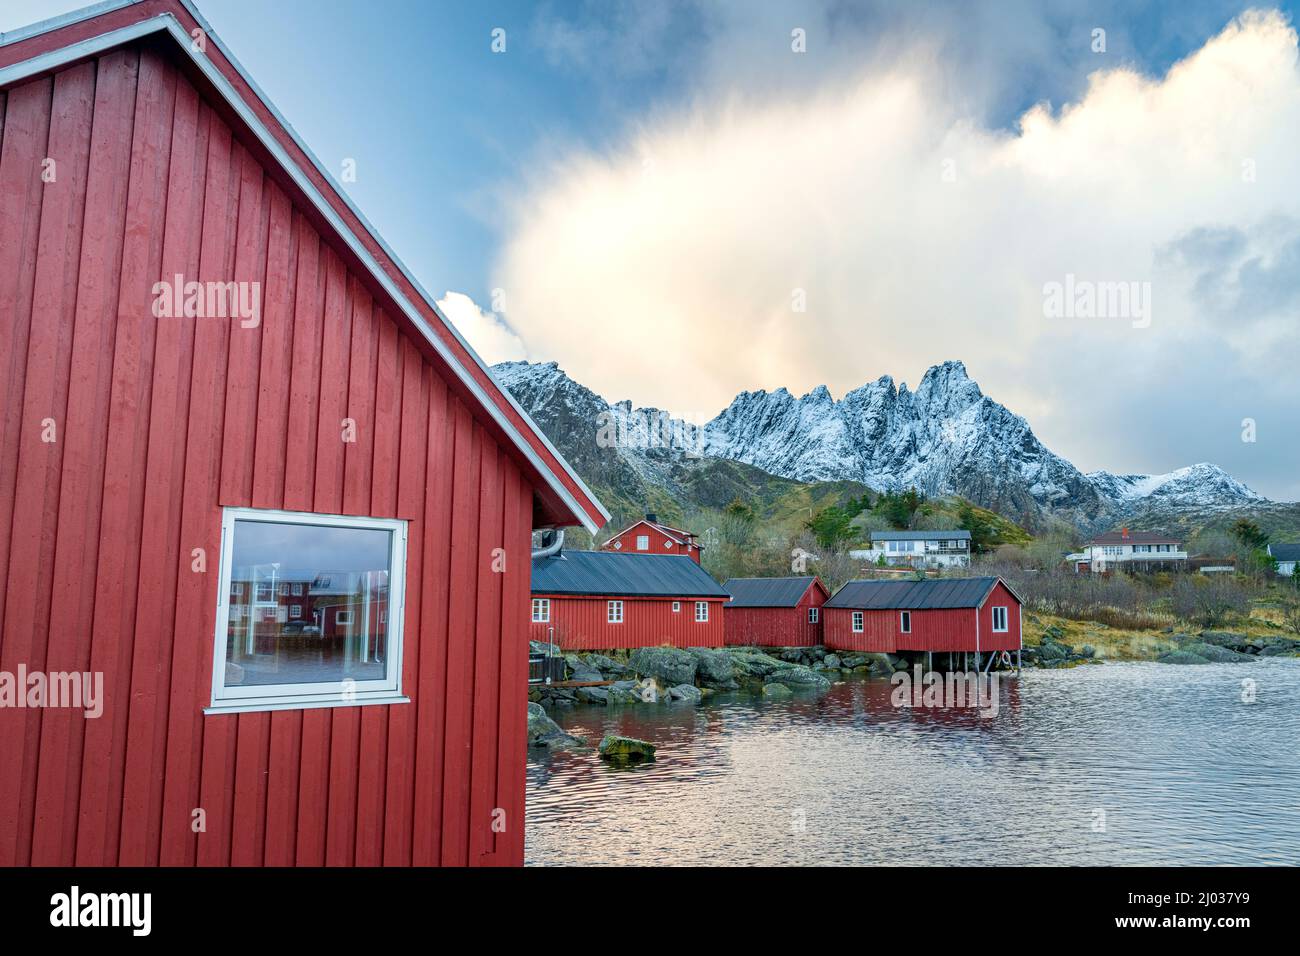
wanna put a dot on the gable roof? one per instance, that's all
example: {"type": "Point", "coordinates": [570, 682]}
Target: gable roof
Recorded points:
{"type": "Point", "coordinates": [930, 594]}
{"type": "Point", "coordinates": [1134, 537]}
{"type": "Point", "coordinates": [623, 575]}
{"type": "Point", "coordinates": [45, 47]}
{"type": "Point", "coordinates": [1285, 552]}
{"type": "Point", "coordinates": [684, 538]}
{"type": "Point", "coordinates": [767, 592]}
{"type": "Point", "coordinates": [920, 536]}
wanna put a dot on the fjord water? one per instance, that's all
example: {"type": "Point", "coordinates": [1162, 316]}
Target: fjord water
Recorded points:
{"type": "Point", "coordinates": [1118, 764]}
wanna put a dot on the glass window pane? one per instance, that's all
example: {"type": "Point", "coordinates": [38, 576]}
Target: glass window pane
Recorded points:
{"type": "Point", "coordinates": [336, 629]}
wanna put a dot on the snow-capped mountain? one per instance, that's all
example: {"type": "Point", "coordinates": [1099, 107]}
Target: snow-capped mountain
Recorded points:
{"type": "Point", "coordinates": [946, 437]}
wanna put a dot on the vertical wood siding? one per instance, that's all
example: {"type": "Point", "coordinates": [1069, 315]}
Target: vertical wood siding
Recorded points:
{"type": "Point", "coordinates": [162, 422]}
{"type": "Point", "coordinates": [942, 629]}
{"type": "Point", "coordinates": [776, 626]}
{"type": "Point", "coordinates": [581, 623]}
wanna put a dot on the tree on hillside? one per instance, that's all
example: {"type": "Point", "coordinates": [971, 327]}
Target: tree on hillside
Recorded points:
{"type": "Point", "coordinates": [740, 510]}
{"type": "Point", "coordinates": [900, 507]}
{"type": "Point", "coordinates": [982, 536]}
{"type": "Point", "coordinates": [831, 526]}
{"type": "Point", "coordinates": [1249, 535]}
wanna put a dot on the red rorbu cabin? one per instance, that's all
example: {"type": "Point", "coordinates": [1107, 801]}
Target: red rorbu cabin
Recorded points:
{"type": "Point", "coordinates": [284, 516]}
{"type": "Point", "coordinates": [597, 600]}
{"type": "Point", "coordinates": [979, 615]}
{"type": "Point", "coordinates": [774, 612]}
{"type": "Point", "coordinates": [648, 536]}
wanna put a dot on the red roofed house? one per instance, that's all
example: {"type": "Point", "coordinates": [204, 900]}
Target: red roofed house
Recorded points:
{"type": "Point", "coordinates": [774, 612]}
{"type": "Point", "coordinates": [218, 384]}
{"type": "Point", "coordinates": [648, 536]}
{"type": "Point", "coordinates": [977, 615]}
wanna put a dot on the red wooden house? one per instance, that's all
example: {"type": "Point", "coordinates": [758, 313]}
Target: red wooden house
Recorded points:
{"type": "Point", "coordinates": [596, 600]}
{"type": "Point", "coordinates": [774, 612]}
{"type": "Point", "coordinates": [978, 615]}
{"type": "Point", "coordinates": [648, 536]}
{"type": "Point", "coordinates": [301, 404]}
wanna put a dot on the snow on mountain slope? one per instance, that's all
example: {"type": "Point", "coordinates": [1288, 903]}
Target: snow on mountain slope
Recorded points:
{"type": "Point", "coordinates": [946, 437]}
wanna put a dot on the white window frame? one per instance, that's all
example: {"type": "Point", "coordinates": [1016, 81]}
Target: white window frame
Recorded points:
{"type": "Point", "coordinates": [857, 622]}
{"type": "Point", "coordinates": [905, 622]}
{"type": "Point", "coordinates": [541, 610]}
{"type": "Point", "coordinates": [677, 606]}
{"type": "Point", "coordinates": [340, 693]}
{"type": "Point", "coordinates": [814, 615]}
{"type": "Point", "coordinates": [295, 611]}
{"type": "Point", "coordinates": [343, 617]}
{"type": "Point", "coordinates": [643, 542]}
{"type": "Point", "coordinates": [701, 612]}
{"type": "Point", "coordinates": [614, 612]}
{"type": "Point", "coordinates": [1006, 620]}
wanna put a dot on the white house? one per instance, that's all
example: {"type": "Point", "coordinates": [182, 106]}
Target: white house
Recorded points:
{"type": "Point", "coordinates": [918, 549]}
{"type": "Point", "coordinates": [1129, 551]}
{"type": "Point", "coordinates": [1286, 556]}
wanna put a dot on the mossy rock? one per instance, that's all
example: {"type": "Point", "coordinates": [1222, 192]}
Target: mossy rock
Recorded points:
{"type": "Point", "coordinates": [626, 749]}
{"type": "Point", "coordinates": [777, 691]}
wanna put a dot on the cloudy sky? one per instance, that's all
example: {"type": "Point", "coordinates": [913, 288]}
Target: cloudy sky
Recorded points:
{"type": "Point", "coordinates": [678, 201]}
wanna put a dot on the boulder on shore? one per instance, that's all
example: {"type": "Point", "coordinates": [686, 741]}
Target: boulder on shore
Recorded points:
{"type": "Point", "coordinates": [1181, 657]}
{"type": "Point", "coordinates": [544, 732]}
{"type": "Point", "coordinates": [672, 665]}
{"type": "Point", "coordinates": [1216, 654]}
{"type": "Point", "coordinates": [777, 690]}
{"type": "Point", "coordinates": [714, 668]}
{"type": "Point", "coordinates": [801, 676]}
{"type": "Point", "coordinates": [687, 692]}
{"type": "Point", "coordinates": [626, 749]}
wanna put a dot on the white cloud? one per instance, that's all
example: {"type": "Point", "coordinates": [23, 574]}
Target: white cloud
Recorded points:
{"type": "Point", "coordinates": [664, 272]}
{"type": "Point", "coordinates": [486, 333]}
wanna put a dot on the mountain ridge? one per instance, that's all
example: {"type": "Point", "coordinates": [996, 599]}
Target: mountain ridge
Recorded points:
{"type": "Point", "coordinates": [945, 438]}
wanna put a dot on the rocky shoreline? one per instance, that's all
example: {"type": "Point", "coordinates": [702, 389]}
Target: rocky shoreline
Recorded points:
{"type": "Point", "coordinates": [652, 675]}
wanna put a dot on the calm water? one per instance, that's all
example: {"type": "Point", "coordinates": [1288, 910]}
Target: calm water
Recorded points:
{"type": "Point", "coordinates": [1184, 771]}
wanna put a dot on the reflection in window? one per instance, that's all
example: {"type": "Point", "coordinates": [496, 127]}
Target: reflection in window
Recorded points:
{"type": "Point", "coordinates": [335, 628]}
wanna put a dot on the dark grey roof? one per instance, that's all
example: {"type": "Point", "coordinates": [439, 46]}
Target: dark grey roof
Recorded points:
{"type": "Point", "coordinates": [918, 595]}
{"type": "Point", "coordinates": [631, 575]}
{"type": "Point", "coordinates": [1285, 552]}
{"type": "Point", "coordinates": [766, 592]}
{"type": "Point", "coordinates": [920, 536]}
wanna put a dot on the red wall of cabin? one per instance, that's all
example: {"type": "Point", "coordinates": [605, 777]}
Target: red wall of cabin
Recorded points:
{"type": "Point", "coordinates": [776, 626]}
{"type": "Point", "coordinates": [160, 423]}
{"type": "Point", "coordinates": [581, 623]}
{"type": "Point", "coordinates": [946, 629]}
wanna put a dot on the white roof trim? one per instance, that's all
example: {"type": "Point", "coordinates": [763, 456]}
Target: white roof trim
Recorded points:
{"type": "Point", "coordinates": [170, 24]}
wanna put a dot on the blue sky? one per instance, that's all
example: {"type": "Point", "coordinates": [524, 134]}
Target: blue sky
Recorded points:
{"type": "Point", "coordinates": [471, 164]}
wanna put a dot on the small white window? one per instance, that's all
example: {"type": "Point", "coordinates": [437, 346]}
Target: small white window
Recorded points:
{"type": "Point", "coordinates": [357, 566]}
{"type": "Point", "coordinates": [667, 545]}
{"type": "Point", "coordinates": [643, 542]}
{"type": "Point", "coordinates": [614, 612]}
{"type": "Point", "coordinates": [677, 606]}
{"type": "Point", "coordinates": [1000, 619]}
{"type": "Point", "coordinates": [618, 545]}
{"type": "Point", "coordinates": [297, 590]}
{"type": "Point", "coordinates": [857, 622]}
{"type": "Point", "coordinates": [813, 614]}
{"type": "Point", "coordinates": [541, 610]}
{"type": "Point", "coordinates": [905, 621]}
{"type": "Point", "coordinates": [701, 611]}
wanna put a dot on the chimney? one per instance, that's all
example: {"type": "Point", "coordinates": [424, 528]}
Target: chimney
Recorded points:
{"type": "Point", "coordinates": [651, 517]}
{"type": "Point", "coordinates": [1123, 533]}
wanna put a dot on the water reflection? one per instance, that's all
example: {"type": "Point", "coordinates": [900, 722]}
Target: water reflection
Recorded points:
{"type": "Point", "coordinates": [1122, 764]}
